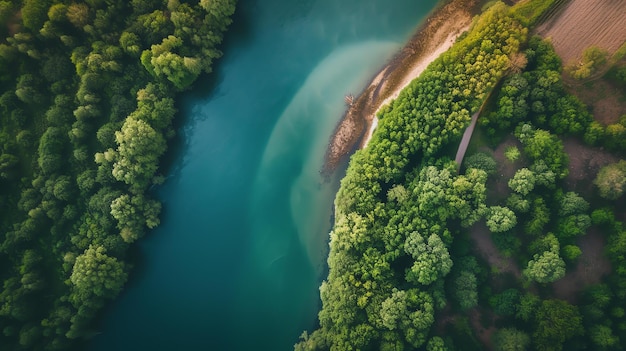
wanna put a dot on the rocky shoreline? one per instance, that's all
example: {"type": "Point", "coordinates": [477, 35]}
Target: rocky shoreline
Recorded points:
{"type": "Point", "coordinates": [433, 37]}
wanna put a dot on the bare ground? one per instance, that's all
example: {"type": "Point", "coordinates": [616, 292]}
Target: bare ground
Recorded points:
{"type": "Point", "coordinates": [592, 266]}
{"type": "Point", "coordinates": [487, 250]}
{"type": "Point", "coordinates": [607, 101]}
{"type": "Point", "coordinates": [445, 23]}
{"type": "Point", "coordinates": [498, 189]}
{"type": "Point", "coordinates": [483, 334]}
{"type": "Point", "coordinates": [584, 164]}
{"type": "Point", "coordinates": [583, 23]}
{"type": "Point", "coordinates": [579, 25]}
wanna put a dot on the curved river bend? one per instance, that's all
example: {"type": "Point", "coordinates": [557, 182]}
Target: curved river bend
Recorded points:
{"type": "Point", "coordinates": [239, 256]}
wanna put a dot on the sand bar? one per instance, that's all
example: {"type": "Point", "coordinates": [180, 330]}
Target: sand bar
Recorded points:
{"type": "Point", "coordinates": [432, 38]}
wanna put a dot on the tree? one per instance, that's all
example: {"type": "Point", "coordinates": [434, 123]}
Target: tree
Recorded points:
{"type": "Point", "coordinates": [436, 344]}
{"type": "Point", "coordinates": [556, 322]}
{"type": "Point", "coordinates": [50, 150]}
{"type": "Point", "coordinates": [544, 176]}
{"type": "Point", "coordinates": [394, 309]}
{"type": "Point", "coordinates": [410, 312]}
{"type": "Point", "coordinates": [523, 182]}
{"type": "Point", "coordinates": [510, 339]}
{"type": "Point", "coordinates": [594, 133]}
{"type": "Point", "coordinates": [505, 302]}
{"type": "Point", "coordinates": [78, 15]}
{"type": "Point", "coordinates": [465, 290]}
{"type": "Point", "coordinates": [96, 273]}
{"type": "Point", "coordinates": [162, 61]}
{"type": "Point", "coordinates": [611, 180]}
{"type": "Point", "coordinates": [541, 145]}
{"type": "Point", "coordinates": [545, 268]}
{"type": "Point", "coordinates": [593, 58]}
{"type": "Point", "coordinates": [7, 164]}
{"type": "Point", "coordinates": [572, 204]}
{"type": "Point", "coordinates": [130, 43]}
{"type": "Point", "coordinates": [398, 193]}
{"type": "Point", "coordinates": [527, 307]}
{"type": "Point", "coordinates": [133, 213]}
{"type": "Point", "coordinates": [26, 89]}
{"type": "Point", "coordinates": [517, 203]}
{"type": "Point", "coordinates": [432, 260]}
{"type": "Point", "coordinates": [571, 252]}
{"type": "Point", "coordinates": [603, 337]}
{"type": "Point", "coordinates": [139, 148]}
{"type": "Point", "coordinates": [500, 219]}
{"type": "Point", "coordinates": [34, 13]}
{"type": "Point", "coordinates": [540, 216]}
{"type": "Point", "coordinates": [512, 153]}
{"type": "Point", "coordinates": [572, 226]}
{"type": "Point", "coordinates": [481, 161]}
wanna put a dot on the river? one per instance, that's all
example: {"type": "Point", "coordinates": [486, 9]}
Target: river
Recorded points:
{"type": "Point", "coordinates": [240, 253]}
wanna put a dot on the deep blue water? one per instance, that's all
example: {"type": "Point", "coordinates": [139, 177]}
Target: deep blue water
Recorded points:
{"type": "Point", "coordinates": [239, 256]}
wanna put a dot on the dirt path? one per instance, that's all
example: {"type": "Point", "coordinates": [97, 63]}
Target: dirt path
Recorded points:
{"type": "Point", "coordinates": [467, 136]}
{"type": "Point", "coordinates": [435, 36]}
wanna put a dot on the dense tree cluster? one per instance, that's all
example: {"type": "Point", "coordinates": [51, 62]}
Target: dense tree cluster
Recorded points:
{"type": "Point", "coordinates": [86, 105]}
{"type": "Point", "coordinates": [537, 95]}
{"type": "Point", "coordinates": [398, 208]}
{"type": "Point", "coordinates": [400, 253]}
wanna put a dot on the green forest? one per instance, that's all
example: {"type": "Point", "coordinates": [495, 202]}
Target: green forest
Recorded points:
{"type": "Point", "coordinates": [87, 94]}
{"type": "Point", "coordinates": [403, 270]}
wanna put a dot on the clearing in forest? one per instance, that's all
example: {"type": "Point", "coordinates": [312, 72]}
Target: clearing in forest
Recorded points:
{"type": "Point", "coordinates": [583, 23]}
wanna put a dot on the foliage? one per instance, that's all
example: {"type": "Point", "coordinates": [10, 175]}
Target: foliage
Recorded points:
{"type": "Point", "coordinates": [399, 203]}
{"type": "Point", "coordinates": [530, 12]}
{"type": "Point", "coordinates": [96, 273]}
{"type": "Point", "coordinates": [611, 180]}
{"type": "Point", "coordinates": [402, 210]}
{"type": "Point", "coordinates": [500, 219]}
{"type": "Point", "coordinates": [504, 303]}
{"type": "Point", "coordinates": [556, 321]}
{"type": "Point", "coordinates": [593, 58]}
{"type": "Point", "coordinates": [436, 344]}
{"type": "Point", "coordinates": [512, 153]}
{"type": "Point", "coordinates": [541, 145]}
{"type": "Point", "coordinates": [74, 90]}
{"type": "Point", "coordinates": [538, 96]}
{"type": "Point", "coordinates": [546, 267]}
{"type": "Point", "coordinates": [481, 161]}
{"type": "Point", "coordinates": [523, 182]}
{"type": "Point", "coordinates": [510, 339]}
{"type": "Point", "coordinates": [432, 260]}
{"type": "Point", "coordinates": [466, 290]}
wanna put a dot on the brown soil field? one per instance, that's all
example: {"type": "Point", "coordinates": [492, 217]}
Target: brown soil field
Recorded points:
{"type": "Point", "coordinates": [583, 23]}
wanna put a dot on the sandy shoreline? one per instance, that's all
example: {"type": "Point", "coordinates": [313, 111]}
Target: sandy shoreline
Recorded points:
{"type": "Point", "coordinates": [432, 38]}
{"type": "Point", "coordinates": [418, 67]}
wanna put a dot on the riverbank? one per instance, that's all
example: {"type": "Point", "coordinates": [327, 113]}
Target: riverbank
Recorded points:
{"type": "Point", "coordinates": [432, 38]}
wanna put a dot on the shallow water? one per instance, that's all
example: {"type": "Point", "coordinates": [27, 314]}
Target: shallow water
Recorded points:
{"type": "Point", "coordinates": [239, 256]}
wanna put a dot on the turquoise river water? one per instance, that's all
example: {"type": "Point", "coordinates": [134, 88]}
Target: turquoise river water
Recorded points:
{"type": "Point", "coordinates": [240, 254]}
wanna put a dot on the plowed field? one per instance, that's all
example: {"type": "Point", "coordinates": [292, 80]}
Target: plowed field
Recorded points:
{"type": "Point", "coordinates": [583, 23]}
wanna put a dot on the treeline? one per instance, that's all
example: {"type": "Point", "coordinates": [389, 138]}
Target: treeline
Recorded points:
{"type": "Point", "coordinates": [402, 274]}
{"type": "Point", "coordinates": [86, 105]}
{"type": "Point", "coordinates": [400, 206]}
